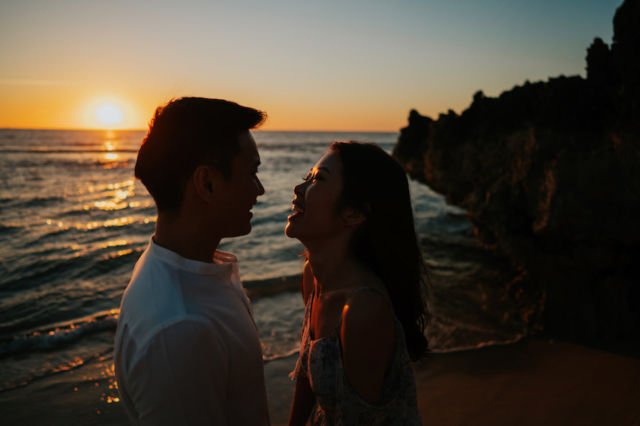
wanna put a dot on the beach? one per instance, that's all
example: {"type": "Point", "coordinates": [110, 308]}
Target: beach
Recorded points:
{"type": "Point", "coordinates": [534, 382]}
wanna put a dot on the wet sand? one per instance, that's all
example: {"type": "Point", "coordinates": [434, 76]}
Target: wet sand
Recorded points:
{"type": "Point", "coordinates": [535, 382]}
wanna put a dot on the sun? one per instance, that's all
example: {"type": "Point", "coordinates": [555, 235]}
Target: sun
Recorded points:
{"type": "Point", "coordinates": [109, 115]}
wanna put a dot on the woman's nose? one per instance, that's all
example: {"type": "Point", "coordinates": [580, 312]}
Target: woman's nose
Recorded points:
{"type": "Point", "coordinates": [299, 189]}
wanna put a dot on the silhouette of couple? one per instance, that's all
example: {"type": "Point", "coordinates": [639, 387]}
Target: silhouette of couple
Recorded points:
{"type": "Point", "coordinates": [187, 350]}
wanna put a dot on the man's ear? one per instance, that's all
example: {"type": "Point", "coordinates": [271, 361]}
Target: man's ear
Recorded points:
{"type": "Point", "coordinates": [203, 180]}
{"type": "Point", "coordinates": [353, 217]}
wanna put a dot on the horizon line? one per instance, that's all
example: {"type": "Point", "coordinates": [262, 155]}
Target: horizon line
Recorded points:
{"type": "Point", "coordinates": [93, 129]}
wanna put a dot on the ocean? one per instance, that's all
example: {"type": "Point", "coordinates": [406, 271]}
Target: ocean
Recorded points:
{"type": "Point", "coordinates": [74, 220]}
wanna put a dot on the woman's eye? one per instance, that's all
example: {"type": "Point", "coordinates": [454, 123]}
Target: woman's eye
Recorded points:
{"type": "Point", "coordinates": [311, 177]}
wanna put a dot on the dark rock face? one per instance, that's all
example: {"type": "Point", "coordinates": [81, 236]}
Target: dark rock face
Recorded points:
{"type": "Point", "coordinates": [550, 175]}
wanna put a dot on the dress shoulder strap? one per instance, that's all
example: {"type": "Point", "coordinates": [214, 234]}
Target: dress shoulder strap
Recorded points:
{"type": "Point", "coordinates": [362, 289]}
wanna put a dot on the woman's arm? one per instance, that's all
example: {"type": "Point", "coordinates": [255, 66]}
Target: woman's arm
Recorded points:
{"type": "Point", "coordinates": [368, 337]}
{"type": "Point", "coordinates": [303, 397]}
{"type": "Point", "coordinates": [303, 401]}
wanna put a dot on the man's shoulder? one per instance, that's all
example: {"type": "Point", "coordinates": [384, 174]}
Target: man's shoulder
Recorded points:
{"type": "Point", "coordinates": [150, 275]}
{"type": "Point", "coordinates": [147, 265]}
{"type": "Point", "coordinates": [150, 300]}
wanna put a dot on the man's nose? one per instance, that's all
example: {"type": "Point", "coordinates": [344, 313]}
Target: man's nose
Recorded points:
{"type": "Point", "coordinates": [260, 187]}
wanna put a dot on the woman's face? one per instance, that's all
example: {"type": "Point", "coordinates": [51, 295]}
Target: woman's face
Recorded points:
{"type": "Point", "coordinates": [314, 210]}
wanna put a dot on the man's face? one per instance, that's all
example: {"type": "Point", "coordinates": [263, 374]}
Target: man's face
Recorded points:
{"type": "Point", "coordinates": [236, 195]}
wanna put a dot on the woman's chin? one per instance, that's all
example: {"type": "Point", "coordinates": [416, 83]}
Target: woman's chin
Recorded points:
{"type": "Point", "coordinates": [290, 229]}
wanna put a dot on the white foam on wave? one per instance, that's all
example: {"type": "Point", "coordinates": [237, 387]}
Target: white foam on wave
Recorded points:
{"type": "Point", "coordinates": [58, 335]}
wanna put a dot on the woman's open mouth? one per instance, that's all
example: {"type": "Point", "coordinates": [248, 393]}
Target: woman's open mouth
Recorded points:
{"type": "Point", "coordinates": [297, 210]}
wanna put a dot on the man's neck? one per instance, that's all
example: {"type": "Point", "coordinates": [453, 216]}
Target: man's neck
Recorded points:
{"type": "Point", "coordinates": [185, 237]}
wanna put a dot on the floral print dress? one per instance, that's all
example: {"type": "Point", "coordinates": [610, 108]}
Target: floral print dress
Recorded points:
{"type": "Point", "coordinates": [320, 360]}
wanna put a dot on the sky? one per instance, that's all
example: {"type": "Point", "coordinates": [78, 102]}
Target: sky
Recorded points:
{"type": "Point", "coordinates": [311, 65]}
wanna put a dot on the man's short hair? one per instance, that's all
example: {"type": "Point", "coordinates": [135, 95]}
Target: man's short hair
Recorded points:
{"type": "Point", "coordinates": [184, 134]}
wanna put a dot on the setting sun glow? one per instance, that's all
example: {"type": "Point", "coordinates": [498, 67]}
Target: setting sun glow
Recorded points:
{"type": "Point", "coordinates": [109, 115]}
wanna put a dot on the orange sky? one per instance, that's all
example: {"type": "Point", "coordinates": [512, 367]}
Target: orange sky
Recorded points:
{"type": "Point", "coordinates": [358, 65]}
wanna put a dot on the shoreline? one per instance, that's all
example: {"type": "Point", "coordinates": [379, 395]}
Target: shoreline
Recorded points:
{"type": "Point", "coordinates": [536, 381]}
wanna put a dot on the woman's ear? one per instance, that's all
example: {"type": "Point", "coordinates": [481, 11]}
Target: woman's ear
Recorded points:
{"type": "Point", "coordinates": [353, 217]}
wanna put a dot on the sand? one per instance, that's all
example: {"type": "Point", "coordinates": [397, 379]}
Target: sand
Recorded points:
{"type": "Point", "coordinates": [536, 382]}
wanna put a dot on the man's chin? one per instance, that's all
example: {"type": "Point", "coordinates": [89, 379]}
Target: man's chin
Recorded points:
{"type": "Point", "coordinates": [239, 232]}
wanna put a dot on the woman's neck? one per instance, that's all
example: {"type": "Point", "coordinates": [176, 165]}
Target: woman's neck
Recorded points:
{"type": "Point", "coordinates": [333, 268]}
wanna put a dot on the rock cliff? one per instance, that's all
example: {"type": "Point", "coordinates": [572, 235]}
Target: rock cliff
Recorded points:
{"type": "Point", "coordinates": [549, 173]}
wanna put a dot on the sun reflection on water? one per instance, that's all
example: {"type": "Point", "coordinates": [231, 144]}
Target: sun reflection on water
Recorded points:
{"type": "Point", "coordinates": [114, 243]}
{"type": "Point", "coordinates": [117, 202]}
{"type": "Point", "coordinates": [112, 223]}
{"type": "Point", "coordinates": [117, 254]}
{"type": "Point", "coordinates": [110, 146]}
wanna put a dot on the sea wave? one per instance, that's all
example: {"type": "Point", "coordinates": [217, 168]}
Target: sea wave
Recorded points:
{"type": "Point", "coordinates": [24, 377]}
{"type": "Point", "coordinates": [9, 229]}
{"type": "Point", "coordinates": [272, 286]}
{"type": "Point", "coordinates": [57, 335]}
{"type": "Point", "coordinates": [32, 272]}
{"type": "Point", "coordinates": [34, 202]}
{"type": "Point", "coordinates": [275, 357]}
{"type": "Point", "coordinates": [446, 335]}
{"type": "Point", "coordinates": [138, 224]}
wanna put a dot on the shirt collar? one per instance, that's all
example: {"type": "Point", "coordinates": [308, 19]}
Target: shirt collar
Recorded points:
{"type": "Point", "coordinates": [224, 263]}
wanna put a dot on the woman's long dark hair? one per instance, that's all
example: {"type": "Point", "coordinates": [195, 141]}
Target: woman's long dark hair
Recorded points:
{"type": "Point", "coordinates": [375, 184]}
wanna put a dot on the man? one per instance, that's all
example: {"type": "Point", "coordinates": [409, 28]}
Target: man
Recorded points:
{"type": "Point", "coordinates": [186, 348]}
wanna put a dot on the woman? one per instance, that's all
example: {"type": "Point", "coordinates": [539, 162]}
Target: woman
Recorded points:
{"type": "Point", "coordinates": [362, 288]}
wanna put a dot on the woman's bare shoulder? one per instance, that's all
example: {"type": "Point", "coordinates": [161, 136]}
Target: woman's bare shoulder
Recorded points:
{"type": "Point", "coordinates": [368, 313]}
{"type": "Point", "coordinates": [368, 307]}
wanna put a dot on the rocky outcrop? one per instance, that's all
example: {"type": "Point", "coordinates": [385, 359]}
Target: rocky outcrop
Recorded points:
{"type": "Point", "coordinates": [549, 173]}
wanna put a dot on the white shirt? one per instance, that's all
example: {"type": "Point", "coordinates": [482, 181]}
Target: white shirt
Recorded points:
{"type": "Point", "coordinates": [186, 349]}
